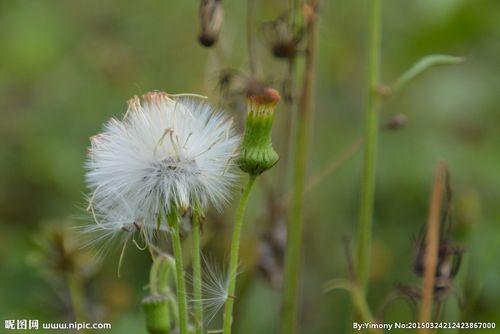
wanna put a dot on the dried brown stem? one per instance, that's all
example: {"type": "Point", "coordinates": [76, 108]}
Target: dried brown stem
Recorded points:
{"type": "Point", "coordinates": [432, 244]}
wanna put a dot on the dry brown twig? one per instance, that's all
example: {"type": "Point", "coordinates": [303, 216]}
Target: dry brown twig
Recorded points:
{"type": "Point", "coordinates": [432, 245]}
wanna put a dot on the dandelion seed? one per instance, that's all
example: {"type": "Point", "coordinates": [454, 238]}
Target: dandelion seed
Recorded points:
{"type": "Point", "coordinates": [214, 287]}
{"type": "Point", "coordinates": [117, 225]}
{"type": "Point", "coordinates": [165, 154]}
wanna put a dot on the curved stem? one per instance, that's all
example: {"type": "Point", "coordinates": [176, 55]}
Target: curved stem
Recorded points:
{"type": "Point", "coordinates": [295, 228]}
{"type": "Point", "coordinates": [370, 148]}
{"type": "Point", "coordinates": [173, 221]}
{"type": "Point", "coordinates": [358, 298]}
{"type": "Point", "coordinates": [198, 307]}
{"type": "Point", "coordinates": [233, 257]}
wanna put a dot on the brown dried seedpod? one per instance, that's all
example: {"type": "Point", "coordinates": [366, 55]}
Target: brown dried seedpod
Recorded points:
{"type": "Point", "coordinates": [449, 255]}
{"type": "Point", "coordinates": [397, 122]}
{"type": "Point", "coordinates": [234, 85]}
{"type": "Point", "coordinates": [448, 264]}
{"type": "Point", "coordinates": [284, 42]}
{"type": "Point", "coordinates": [211, 17]}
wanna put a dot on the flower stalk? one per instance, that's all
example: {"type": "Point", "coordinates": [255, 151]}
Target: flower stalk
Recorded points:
{"type": "Point", "coordinates": [76, 296]}
{"type": "Point", "coordinates": [174, 223]}
{"type": "Point", "coordinates": [370, 138]}
{"type": "Point", "coordinates": [295, 228]}
{"type": "Point", "coordinates": [198, 307]}
{"type": "Point", "coordinates": [234, 252]}
{"type": "Point", "coordinates": [256, 156]}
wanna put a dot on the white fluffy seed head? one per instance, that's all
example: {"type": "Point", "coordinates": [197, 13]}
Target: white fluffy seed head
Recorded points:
{"type": "Point", "coordinates": [165, 154]}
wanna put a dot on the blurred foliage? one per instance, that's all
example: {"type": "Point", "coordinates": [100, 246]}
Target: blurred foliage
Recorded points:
{"type": "Point", "coordinates": [67, 66]}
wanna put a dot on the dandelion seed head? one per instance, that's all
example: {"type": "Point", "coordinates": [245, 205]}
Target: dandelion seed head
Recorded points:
{"type": "Point", "coordinates": [164, 154]}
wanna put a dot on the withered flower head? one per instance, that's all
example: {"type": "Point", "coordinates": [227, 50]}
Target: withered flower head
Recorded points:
{"type": "Point", "coordinates": [211, 17]}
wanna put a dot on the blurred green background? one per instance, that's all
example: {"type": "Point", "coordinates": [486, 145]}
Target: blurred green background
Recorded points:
{"type": "Point", "coordinates": [67, 66]}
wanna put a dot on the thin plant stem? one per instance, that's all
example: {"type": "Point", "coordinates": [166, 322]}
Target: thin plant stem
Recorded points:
{"type": "Point", "coordinates": [438, 309]}
{"type": "Point", "coordinates": [288, 125]}
{"type": "Point", "coordinates": [370, 138]}
{"type": "Point", "coordinates": [77, 300]}
{"type": "Point", "coordinates": [179, 271]}
{"type": "Point", "coordinates": [252, 56]}
{"type": "Point", "coordinates": [332, 165]}
{"type": "Point", "coordinates": [432, 245]}
{"type": "Point", "coordinates": [358, 298]}
{"type": "Point", "coordinates": [289, 109]}
{"type": "Point", "coordinates": [295, 228]}
{"type": "Point", "coordinates": [198, 306]}
{"type": "Point", "coordinates": [233, 256]}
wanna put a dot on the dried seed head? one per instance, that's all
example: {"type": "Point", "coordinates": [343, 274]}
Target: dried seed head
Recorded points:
{"type": "Point", "coordinates": [58, 252]}
{"type": "Point", "coordinates": [449, 254]}
{"type": "Point", "coordinates": [235, 87]}
{"type": "Point", "coordinates": [211, 17]}
{"type": "Point", "coordinates": [283, 42]}
{"type": "Point", "coordinates": [397, 122]}
{"type": "Point", "coordinates": [235, 83]}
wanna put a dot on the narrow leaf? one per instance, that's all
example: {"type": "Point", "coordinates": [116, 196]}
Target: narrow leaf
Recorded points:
{"type": "Point", "coordinates": [422, 65]}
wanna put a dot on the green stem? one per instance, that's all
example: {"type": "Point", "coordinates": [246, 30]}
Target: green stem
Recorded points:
{"type": "Point", "coordinates": [370, 148]}
{"type": "Point", "coordinates": [198, 307]}
{"type": "Point", "coordinates": [252, 58]}
{"type": "Point", "coordinates": [358, 299]}
{"type": "Point", "coordinates": [77, 300]}
{"type": "Point", "coordinates": [296, 225]}
{"type": "Point", "coordinates": [294, 241]}
{"type": "Point", "coordinates": [288, 125]}
{"type": "Point", "coordinates": [233, 256]}
{"type": "Point", "coordinates": [179, 271]}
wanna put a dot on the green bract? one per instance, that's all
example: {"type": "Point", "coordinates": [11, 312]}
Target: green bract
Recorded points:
{"type": "Point", "coordinates": [157, 314]}
{"type": "Point", "coordinates": [257, 153]}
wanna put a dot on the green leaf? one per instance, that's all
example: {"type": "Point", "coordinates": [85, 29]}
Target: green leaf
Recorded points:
{"type": "Point", "coordinates": [422, 65]}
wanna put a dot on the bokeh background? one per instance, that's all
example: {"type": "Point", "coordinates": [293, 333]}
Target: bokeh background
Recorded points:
{"type": "Point", "coordinates": [67, 66]}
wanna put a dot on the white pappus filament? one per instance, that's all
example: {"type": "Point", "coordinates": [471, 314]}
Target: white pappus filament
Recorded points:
{"type": "Point", "coordinates": [214, 287]}
{"type": "Point", "coordinates": [165, 154]}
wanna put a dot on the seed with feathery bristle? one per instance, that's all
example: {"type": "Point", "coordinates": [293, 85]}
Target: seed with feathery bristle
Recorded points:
{"type": "Point", "coordinates": [167, 153]}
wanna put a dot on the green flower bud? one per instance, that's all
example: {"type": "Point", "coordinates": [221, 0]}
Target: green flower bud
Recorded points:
{"type": "Point", "coordinates": [257, 154]}
{"type": "Point", "coordinates": [157, 314]}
